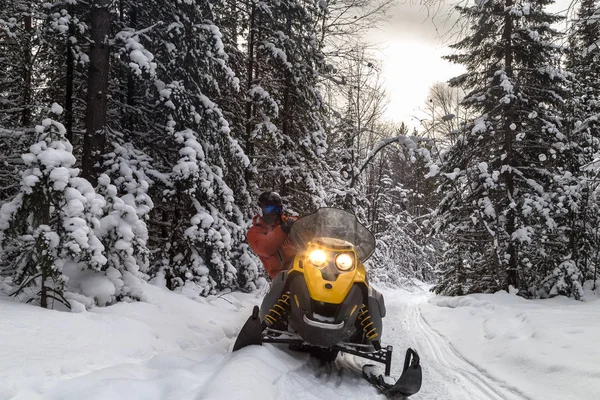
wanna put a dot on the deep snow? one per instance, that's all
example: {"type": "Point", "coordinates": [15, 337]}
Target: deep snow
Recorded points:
{"type": "Point", "coordinates": [172, 347]}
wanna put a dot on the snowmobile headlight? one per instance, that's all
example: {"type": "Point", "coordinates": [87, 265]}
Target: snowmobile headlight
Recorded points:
{"type": "Point", "coordinates": [344, 262]}
{"type": "Point", "coordinates": [317, 257]}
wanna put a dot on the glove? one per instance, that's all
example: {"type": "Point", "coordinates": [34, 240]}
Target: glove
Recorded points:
{"type": "Point", "coordinates": [286, 225]}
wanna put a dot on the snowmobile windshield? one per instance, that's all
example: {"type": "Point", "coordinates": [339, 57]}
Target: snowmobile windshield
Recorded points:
{"type": "Point", "coordinates": [337, 224]}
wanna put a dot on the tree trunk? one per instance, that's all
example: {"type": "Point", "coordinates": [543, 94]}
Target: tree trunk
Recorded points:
{"type": "Point", "coordinates": [234, 20]}
{"type": "Point", "coordinates": [44, 288]}
{"type": "Point", "coordinates": [130, 78]}
{"type": "Point", "coordinates": [27, 72]}
{"type": "Point", "coordinates": [249, 80]}
{"type": "Point", "coordinates": [95, 135]}
{"type": "Point", "coordinates": [69, 82]}
{"type": "Point", "coordinates": [44, 216]}
{"type": "Point", "coordinates": [287, 114]}
{"type": "Point", "coordinates": [513, 263]}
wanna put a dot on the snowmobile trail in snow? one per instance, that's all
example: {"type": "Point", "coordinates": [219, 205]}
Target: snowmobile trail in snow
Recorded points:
{"type": "Point", "coordinates": [446, 373]}
{"type": "Point", "coordinates": [211, 372]}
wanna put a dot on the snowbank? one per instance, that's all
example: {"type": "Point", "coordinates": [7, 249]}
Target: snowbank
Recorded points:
{"type": "Point", "coordinates": [546, 349]}
{"type": "Point", "coordinates": [171, 347]}
{"type": "Point", "coordinates": [40, 347]}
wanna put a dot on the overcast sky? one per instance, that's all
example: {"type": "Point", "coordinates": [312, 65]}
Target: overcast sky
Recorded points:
{"type": "Point", "coordinates": [411, 46]}
{"type": "Point", "coordinates": [412, 43]}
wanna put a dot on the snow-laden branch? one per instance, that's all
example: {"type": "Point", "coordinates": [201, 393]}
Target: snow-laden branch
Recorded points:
{"type": "Point", "coordinates": [404, 140]}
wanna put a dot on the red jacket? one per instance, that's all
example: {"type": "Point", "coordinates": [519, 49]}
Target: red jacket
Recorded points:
{"type": "Point", "coordinates": [271, 245]}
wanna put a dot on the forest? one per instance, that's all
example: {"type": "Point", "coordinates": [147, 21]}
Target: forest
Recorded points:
{"type": "Point", "coordinates": [136, 136]}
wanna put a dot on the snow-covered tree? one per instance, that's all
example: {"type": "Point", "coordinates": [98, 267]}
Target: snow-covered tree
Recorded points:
{"type": "Point", "coordinates": [404, 251]}
{"type": "Point", "coordinates": [502, 181]}
{"type": "Point", "coordinates": [287, 135]}
{"type": "Point", "coordinates": [582, 110]}
{"type": "Point", "coordinates": [198, 167]}
{"type": "Point", "coordinates": [49, 225]}
{"type": "Point", "coordinates": [124, 236]}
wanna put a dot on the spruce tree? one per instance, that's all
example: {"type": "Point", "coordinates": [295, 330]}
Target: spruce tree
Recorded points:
{"type": "Point", "coordinates": [502, 178]}
{"type": "Point", "coordinates": [582, 109]}
{"type": "Point", "coordinates": [197, 227]}
{"type": "Point", "coordinates": [288, 136]}
{"type": "Point", "coordinates": [48, 226]}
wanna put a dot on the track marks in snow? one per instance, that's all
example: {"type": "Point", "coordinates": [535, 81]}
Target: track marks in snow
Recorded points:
{"type": "Point", "coordinates": [210, 371]}
{"type": "Point", "coordinates": [471, 375]}
{"type": "Point", "coordinates": [446, 373]}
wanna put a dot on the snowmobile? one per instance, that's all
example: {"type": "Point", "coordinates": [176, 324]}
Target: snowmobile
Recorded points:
{"type": "Point", "coordinates": [324, 304]}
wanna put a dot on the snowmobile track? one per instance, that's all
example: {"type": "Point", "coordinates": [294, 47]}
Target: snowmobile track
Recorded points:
{"type": "Point", "coordinates": [451, 364]}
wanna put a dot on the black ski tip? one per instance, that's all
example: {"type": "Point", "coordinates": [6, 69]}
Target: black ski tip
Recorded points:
{"type": "Point", "coordinates": [411, 379]}
{"type": "Point", "coordinates": [251, 333]}
{"type": "Point", "coordinates": [409, 382]}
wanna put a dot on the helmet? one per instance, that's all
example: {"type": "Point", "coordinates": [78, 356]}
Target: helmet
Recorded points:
{"type": "Point", "coordinates": [269, 199]}
{"type": "Point", "coordinates": [271, 206]}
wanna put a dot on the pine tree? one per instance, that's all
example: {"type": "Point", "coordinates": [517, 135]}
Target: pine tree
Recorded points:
{"type": "Point", "coordinates": [582, 109]}
{"type": "Point", "coordinates": [288, 138]}
{"type": "Point", "coordinates": [48, 226]}
{"type": "Point", "coordinates": [501, 179]}
{"type": "Point", "coordinates": [197, 227]}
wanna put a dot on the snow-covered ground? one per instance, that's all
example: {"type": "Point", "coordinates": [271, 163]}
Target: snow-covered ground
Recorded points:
{"type": "Point", "coordinates": [474, 347]}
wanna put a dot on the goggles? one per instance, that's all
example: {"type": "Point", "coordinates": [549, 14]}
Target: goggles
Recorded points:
{"type": "Point", "coordinates": [271, 209]}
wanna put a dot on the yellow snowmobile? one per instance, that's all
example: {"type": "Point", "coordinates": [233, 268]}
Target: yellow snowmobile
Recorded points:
{"type": "Point", "coordinates": [324, 304]}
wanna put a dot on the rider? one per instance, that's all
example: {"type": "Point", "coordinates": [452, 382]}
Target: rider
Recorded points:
{"type": "Point", "coordinates": [268, 236]}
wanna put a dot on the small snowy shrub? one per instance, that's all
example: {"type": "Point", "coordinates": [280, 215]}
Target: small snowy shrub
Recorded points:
{"type": "Point", "coordinates": [247, 268]}
{"type": "Point", "coordinates": [201, 252]}
{"type": "Point", "coordinates": [50, 221]}
{"type": "Point", "coordinates": [124, 237]}
{"type": "Point", "coordinates": [123, 229]}
{"type": "Point", "coordinates": [565, 280]}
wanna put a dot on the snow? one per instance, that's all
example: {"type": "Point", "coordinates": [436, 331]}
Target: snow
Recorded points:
{"type": "Point", "coordinates": [434, 169]}
{"type": "Point", "coordinates": [453, 175]}
{"type": "Point", "coordinates": [57, 109]}
{"type": "Point", "coordinates": [537, 349]}
{"type": "Point", "coordinates": [480, 125]}
{"type": "Point", "coordinates": [141, 59]}
{"type": "Point", "coordinates": [523, 234]}
{"type": "Point", "coordinates": [495, 346]}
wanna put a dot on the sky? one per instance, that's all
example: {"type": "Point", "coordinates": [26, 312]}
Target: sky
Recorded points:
{"type": "Point", "coordinates": [411, 45]}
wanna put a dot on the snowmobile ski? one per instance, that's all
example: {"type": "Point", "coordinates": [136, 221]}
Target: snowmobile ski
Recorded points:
{"type": "Point", "coordinates": [251, 333]}
{"type": "Point", "coordinates": [254, 332]}
{"type": "Point", "coordinates": [408, 384]}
